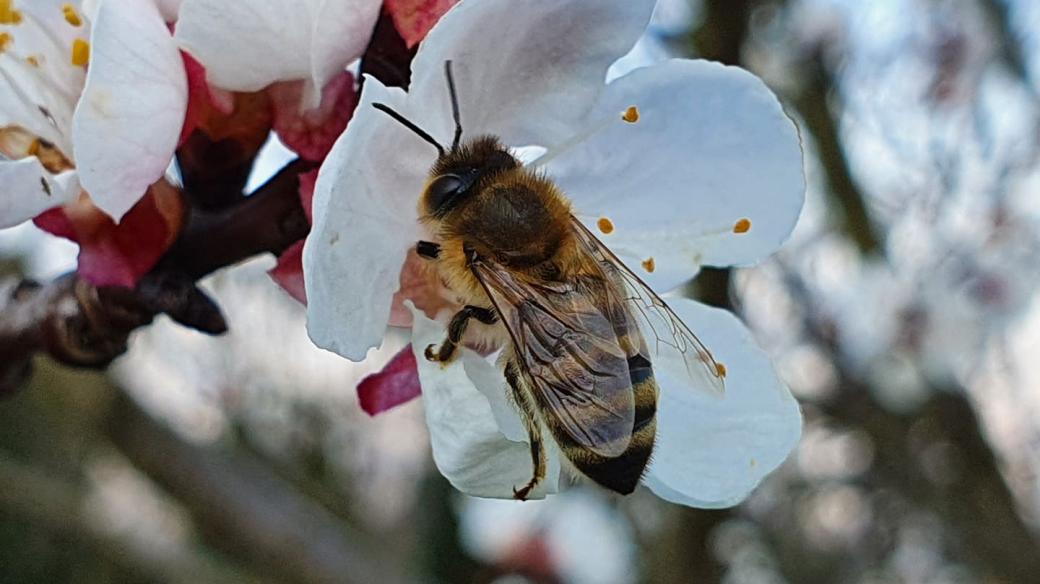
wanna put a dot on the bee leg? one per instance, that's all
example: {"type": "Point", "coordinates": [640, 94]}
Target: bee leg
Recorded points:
{"type": "Point", "coordinates": [456, 329]}
{"type": "Point", "coordinates": [428, 250]}
{"type": "Point", "coordinates": [534, 433]}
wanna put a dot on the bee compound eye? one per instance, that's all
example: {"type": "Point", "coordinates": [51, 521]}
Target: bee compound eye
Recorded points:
{"type": "Point", "coordinates": [443, 189]}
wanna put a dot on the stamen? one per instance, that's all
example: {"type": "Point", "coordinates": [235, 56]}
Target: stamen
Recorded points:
{"type": "Point", "coordinates": [631, 115]}
{"type": "Point", "coordinates": [8, 14]}
{"type": "Point", "coordinates": [33, 60]}
{"type": "Point", "coordinates": [605, 225]}
{"type": "Point", "coordinates": [649, 265]}
{"type": "Point", "coordinates": [71, 16]}
{"type": "Point", "coordinates": [80, 52]}
{"type": "Point", "coordinates": [720, 369]}
{"type": "Point", "coordinates": [742, 226]}
{"type": "Point", "coordinates": [5, 41]}
{"type": "Point", "coordinates": [34, 147]}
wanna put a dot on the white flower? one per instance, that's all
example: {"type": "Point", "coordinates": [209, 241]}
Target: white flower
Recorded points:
{"type": "Point", "coordinates": [711, 174]}
{"type": "Point", "coordinates": [109, 128]}
{"type": "Point", "coordinates": [247, 46]}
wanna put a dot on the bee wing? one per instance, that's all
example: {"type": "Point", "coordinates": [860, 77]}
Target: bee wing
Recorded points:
{"type": "Point", "coordinates": [668, 335]}
{"type": "Point", "coordinates": [566, 339]}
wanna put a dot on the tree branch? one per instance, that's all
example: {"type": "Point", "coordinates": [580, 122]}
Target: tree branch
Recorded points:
{"type": "Point", "coordinates": [813, 105]}
{"type": "Point", "coordinates": [80, 325]}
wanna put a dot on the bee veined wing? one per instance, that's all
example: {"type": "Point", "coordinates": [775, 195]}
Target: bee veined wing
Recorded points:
{"type": "Point", "coordinates": [668, 336]}
{"type": "Point", "coordinates": [569, 340]}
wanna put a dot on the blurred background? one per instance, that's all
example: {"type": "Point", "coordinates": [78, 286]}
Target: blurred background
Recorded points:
{"type": "Point", "coordinates": [901, 315]}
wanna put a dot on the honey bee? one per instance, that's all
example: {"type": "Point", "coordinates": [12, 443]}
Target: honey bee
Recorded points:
{"type": "Point", "coordinates": [570, 313]}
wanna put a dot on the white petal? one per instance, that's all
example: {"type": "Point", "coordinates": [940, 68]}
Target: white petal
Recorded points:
{"type": "Point", "coordinates": [468, 447]}
{"type": "Point", "coordinates": [169, 9]}
{"type": "Point", "coordinates": [490, 381]}
{"type": "Point", "coordinates": [712, 146]}
{"type": "Point", "coordinates": [129, 119]}
{"type": "Point", "coordinates": [365, 221]}
{"type": "Point", "coordinates": [29, 100]}
{"type": "Point", "coordinates": [526, 71]}
{"type": "Point", "coordinates": [28, 190]}
{"type": "Point", "coordinates": [246, 46]}
{"type": "Point", "coordinates": [712, 451]}
{"type": "Point", "coordinates": [341, 33]}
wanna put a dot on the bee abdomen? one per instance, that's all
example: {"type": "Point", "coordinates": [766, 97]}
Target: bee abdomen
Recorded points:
{"type": "Point", "coordinates": [622, 473]}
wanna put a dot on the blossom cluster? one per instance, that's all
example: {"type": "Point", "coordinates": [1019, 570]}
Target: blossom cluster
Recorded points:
{"type": "Point", "coordinates": [102, 100]}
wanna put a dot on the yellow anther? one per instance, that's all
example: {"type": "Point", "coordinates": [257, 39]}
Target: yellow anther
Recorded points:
{"type": "Point", "coordinates": [71, 16]}
{"type": "Point", "coordinates": [34, 147]}
{"type": "Point", "coordinates": [720, 369]}
{"type": "Point", "coordinates": [649, 265]}
{"type": "Point", "coordinates": [80, 52]}
{"type": "Point", "coordinates": [5, 41]}
{"type": "Point", "coordinates": [8, 15]}
{"type": "Point", "coordinates": [605, 225]}
{"type": "Point", "coordinates": [742, 226]}
{"type": "Point", "coordinates": [631, 115]}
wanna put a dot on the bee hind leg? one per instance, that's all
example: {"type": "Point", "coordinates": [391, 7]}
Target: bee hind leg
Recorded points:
{"type": "Point", "coordinates": [534, 433]}
{"type": "Point", "coordinates": [455, 331]}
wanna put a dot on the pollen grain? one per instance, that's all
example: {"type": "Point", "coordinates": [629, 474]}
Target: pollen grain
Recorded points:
{"type": "Point", "coordinates": [631, 115]}
{"type": "Point", "coordinates": [606, 226]}
{"type": "Point", "coordinates": [742, 226]}
{"type": "Point", "coordinates": [649, 265]}
{"type": "Point", "coordinates": [80, 52]}
{"type": "Point", "coordinates": [5, 41]}
{"type": "Point", "coordinates": [71, 16]}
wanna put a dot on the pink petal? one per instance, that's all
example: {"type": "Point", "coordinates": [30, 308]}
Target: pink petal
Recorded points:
{"type": "Point", "coordinates": [395, 384]}
{"type": "Point", "coordinates": [420, 284]}
{"type": "Point", "coordinates": [113, 254]}
{"type": "Point", "coordinates": [288, 273]}
{"type": "Point", "coordinates": [415, 18]}
{"type": "Point", "coordinates": [202, 98]}
{"type": "Point", "coordinates": [311, 133]}
{"type": "Point", "coordinates": [307, 182]}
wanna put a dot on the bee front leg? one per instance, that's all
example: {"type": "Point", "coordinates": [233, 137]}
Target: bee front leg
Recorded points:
{"type": "Point", "coordinates": [428, 250]}
{"type": "Point", "coordinates": [534, 433]}
{"type": "Point", "coordinates": [456, 329]}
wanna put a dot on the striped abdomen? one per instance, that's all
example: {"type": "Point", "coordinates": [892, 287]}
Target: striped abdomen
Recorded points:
{"type": "Point", "coordinates": [622, 473]}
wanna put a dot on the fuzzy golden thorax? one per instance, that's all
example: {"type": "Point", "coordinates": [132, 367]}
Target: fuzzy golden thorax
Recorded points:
{"type": "Point", "coordinates": [480, 198]}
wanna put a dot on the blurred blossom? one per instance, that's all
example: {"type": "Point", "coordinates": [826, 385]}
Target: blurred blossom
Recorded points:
{"type": "Point", "coordinates": [279, 395]}
{"type": "Point", "coordinates": [576, 537]}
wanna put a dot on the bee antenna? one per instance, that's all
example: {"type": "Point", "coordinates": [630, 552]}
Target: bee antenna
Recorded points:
{"type": "Point", "coordinates": [454, 104]}
{"type": "Point", "coordinates": [410, 125]}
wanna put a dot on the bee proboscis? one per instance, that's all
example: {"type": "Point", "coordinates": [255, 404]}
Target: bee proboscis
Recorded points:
{"type": "Point", "coordinates": [570, 315]}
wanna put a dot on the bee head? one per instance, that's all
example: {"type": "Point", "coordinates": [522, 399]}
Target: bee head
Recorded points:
{"type": "Point", "coordinates": [464, 171]}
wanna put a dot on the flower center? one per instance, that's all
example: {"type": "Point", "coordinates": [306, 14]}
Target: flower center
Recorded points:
{"type": "Point", "coordinates": [629, 116]}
